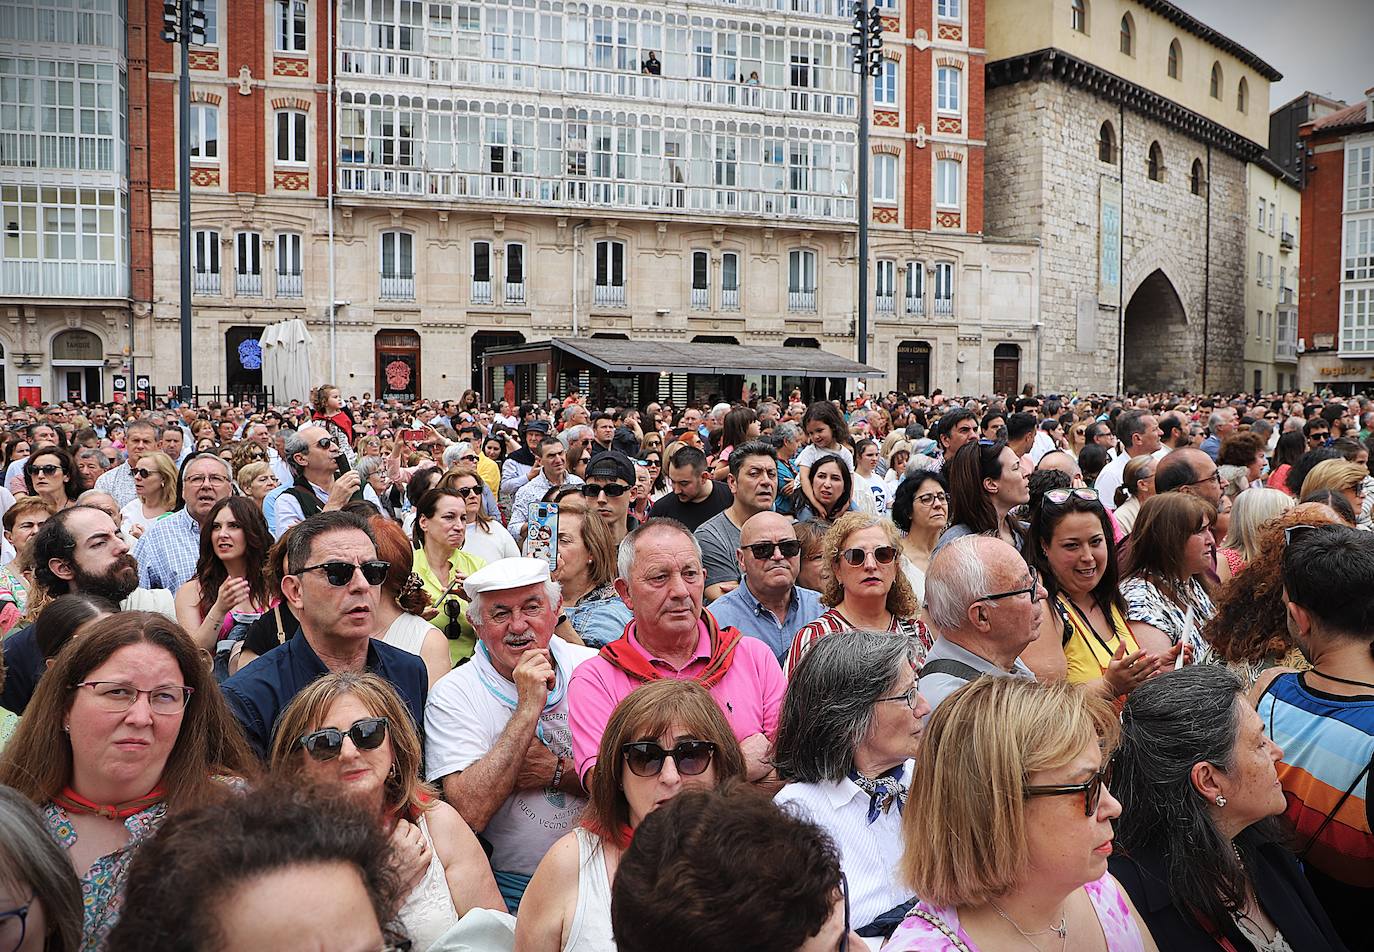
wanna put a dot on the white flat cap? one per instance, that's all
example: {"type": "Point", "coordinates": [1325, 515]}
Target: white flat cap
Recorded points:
{"type": "Point", "coordinates": [505, 574]}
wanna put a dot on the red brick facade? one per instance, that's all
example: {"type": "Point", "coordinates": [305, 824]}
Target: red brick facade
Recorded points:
{"type": "Point", "coordinates": [1319, 269]}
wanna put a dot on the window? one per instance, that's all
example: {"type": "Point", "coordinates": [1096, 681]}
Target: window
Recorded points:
{"type": "Point", "coordinates": [1359, 178]}
{"type": "Point", "coordinates": [1259, 325]}
{"type": "Point", "coordinates": [481, 272]}
{"type": "Point", "coordinates": [515, 273]}
{"type": "Point", "coordinates": [205, 279]}
{"type": "Point", "coordinates": [915, 288]}
{"type": "Point", "coordinates": [885, 286]}
{"type": "Point", "coordinates": [398, 266]}
{"type": "Point", "coordinates": [289, 273]}
{"type": "Point", "coordinates": [1357, 319]}
{"type": "Point", "coordinates": [291, 139]}
{"type": "Point", "coordinates": [1271, 217]}
{"type": "Point", "coordinates": [248, 263]}
{"type": "Point", "coordinates": [701, 280]}
{"type": "Point", "coordinates": [1259, 220]}
{"type": "Point", "coordinates": [1155, 164]}
{"type": "Point", "coordinates": [1128, 35]}
{"type": "Point", "coordinates": [947, 89]}
{"type": "Point", "coordinates": [211, 8]}
{"type": "Point", "coordinates": [885, 84]}
{"type": "Point", "coordinates": [1106, 144]}
{"type": "Point", "coordinates": [204, 131]}
{"type": "Point", "coordinates": [1214, 87]}
{"type": "Point", "coordinates": [1259, 267]}
{"type": "Point", "coordinates": [884, 178]}
{"type": "Point", "coordinates": [290, 26]}
{"type": "Point", "coordinates": [947, 9]}
{"type": "Point", "coordinates": [801, 280]}
{"type": "Point", "coordinates": [729, 281]}
{"type": "Point", "coordinates": [947, 183]}
{"type": "Point", "coordinates": [944, 288]}
{"type": "Point", "coordinates": [1269, 271]}
{"type": "Point", "coordinates": [1359, 250]}
{"type": "Point", "coordinates": [1242, 96]}
{"type": "Point", "coordinates": [1078, 15]}
{"type": "Point", "coordinates": [1175, 60]}
{"type": "Point", "coordinates": [1196, 180]}
{"type": "Point", "coordinates": [610, 273]}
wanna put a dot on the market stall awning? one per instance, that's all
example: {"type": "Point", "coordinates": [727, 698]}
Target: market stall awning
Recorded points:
{"type": "Point", "coordinates": [657, 356]}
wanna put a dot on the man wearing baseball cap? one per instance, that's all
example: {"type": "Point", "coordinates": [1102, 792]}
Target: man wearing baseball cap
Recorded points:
{"type": "Point", "coordinates": [496, 729]}
{"type": "Point", "coordinates": [607, 490]}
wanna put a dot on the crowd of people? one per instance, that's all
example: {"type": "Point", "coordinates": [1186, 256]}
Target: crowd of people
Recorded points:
{"type": "Point", "coordinates": [898, 672]}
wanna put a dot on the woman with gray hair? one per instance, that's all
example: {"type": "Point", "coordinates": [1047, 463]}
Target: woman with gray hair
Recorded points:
{"type": "Point", "coordinates": [1198, 847]}
{"type": "Point", "coordinates": [40, 898]}
{"type": "Point", "coordinates": [848, 733]}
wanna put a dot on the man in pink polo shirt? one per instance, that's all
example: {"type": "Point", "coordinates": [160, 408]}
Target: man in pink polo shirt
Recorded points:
{"type": "Point", "coordinates": [662, 582]}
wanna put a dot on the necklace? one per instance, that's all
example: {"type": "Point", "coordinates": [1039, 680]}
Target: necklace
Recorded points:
{"type": "Point", "coordinates": [1332, 677]}
{"type": "Point", "coordinates": [1060, 929]}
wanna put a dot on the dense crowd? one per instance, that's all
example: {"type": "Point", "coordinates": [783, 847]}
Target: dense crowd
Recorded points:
{"type": "Point", "coordinates": [898, 672]}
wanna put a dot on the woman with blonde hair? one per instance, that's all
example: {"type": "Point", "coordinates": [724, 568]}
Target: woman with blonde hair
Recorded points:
{"type": "Point", "coordinates": [865, 587]}
{"type": "Point", "coordinates": [1253, 508]}
{"type": "Point", "coordinates": [255, 481]}
{"type": "Point", "coordinates": [1337, 475]}
{"type": "Point", "coordinates": [1010, 845]}
{"type": "Point", "coordinates": [155, 488]}
{"type": "Point", "coordinates": [351, 734]}
{"type": "Point", "coordinates": [593, 613]}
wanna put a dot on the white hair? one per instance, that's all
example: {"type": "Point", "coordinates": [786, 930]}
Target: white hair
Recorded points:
{"type": "Point", "coordinates": [454, 451]}
{"type": "Point", "coordinates": [553, 592]}
{"type": "Point", "coordinates": [956, 579]}
{"type": "Point", "coordinates": [625, 553]}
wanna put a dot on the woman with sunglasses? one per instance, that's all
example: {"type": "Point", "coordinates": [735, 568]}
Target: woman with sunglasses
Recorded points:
{"type": "Point", "coordinates": [920, 508]}
{"type": "Point", "coordinates": [658, 482]}
{"type": "Point", "coordinates": [1201, 851]}
{"type": "Point", "coordinates": [440, 562]}
{"type": "Point", "coordinates": [351, 734]}
{"type": "Point", "coordinates": [593, 613]}
{"type": "Point", "coordinates": [228, 591]}
{"type": "Point", "coordinates": [50, 474]}
{"type": "Point", "coordinates": [1026, 868]}
{"type": "Point", "coordinates": [865, 588]}
{"type": "Point", "coordinates": [985, 486]}
{"type": "Point", "coordinates": [831, 490]}
{"type": "Point", "coordinates": [1166, 581]}
{"type": "Point", "coordinates": [155, 493]}
{"type": "Point", "coordinates": [125, 729]}
{"type": "Point", "coordinates": [486, 538]}
{"type": "Point", "coordinates": [663, 738]}
{"type": "Point", "coordinates": [247, 452]}
{"type": "Point", "coordinates": [848, 733]}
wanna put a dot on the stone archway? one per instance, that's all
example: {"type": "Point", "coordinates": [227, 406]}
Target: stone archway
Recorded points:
{"type": "Point", "coordinates": [1157, 350]}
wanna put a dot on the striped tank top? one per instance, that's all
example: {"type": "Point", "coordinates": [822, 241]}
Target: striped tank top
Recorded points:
{"type": "Point", "coordinates": [1328, 742]}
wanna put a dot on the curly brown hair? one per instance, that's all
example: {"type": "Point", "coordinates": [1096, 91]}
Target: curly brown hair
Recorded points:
{"type": "Point", "coordinates": [1240, 449]}
{"type": "Point", "coordinates": [901, 598]}
{"type": "Point", "coordinates": [1249, 626]}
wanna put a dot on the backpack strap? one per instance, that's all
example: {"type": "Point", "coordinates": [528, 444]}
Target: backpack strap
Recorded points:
{"type": "Point", "coordinates": [949, 666]}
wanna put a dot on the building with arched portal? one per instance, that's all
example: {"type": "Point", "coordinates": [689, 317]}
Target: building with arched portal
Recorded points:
{"type": "Point", "coordinates": [1118, 136]}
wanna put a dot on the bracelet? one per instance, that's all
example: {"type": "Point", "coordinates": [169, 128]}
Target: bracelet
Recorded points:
{"type": "Point", "coordinates": [557, 773]}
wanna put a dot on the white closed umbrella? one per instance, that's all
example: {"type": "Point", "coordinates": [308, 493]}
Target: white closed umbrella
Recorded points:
{"type": "Point", "coordinates": [297, 381]}
{"type": "Point", "coordinates": [270, 342]}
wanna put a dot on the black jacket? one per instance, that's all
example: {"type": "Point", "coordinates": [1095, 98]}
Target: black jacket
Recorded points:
{"type": "Point", "coordinates": [1278, 882]}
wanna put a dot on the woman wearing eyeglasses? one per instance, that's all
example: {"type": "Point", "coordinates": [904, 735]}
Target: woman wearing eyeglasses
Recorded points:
{"type": "Point", "coordinates": [126, 728]}
{"type": "Point", "coordinates": [665, 737]}
{"type": "Point", "coordinates": [1027, 867]}
{"type": "Point", "coordinates": [440, 562]}
{"type": "Point", "coordinates": [50, 474]}
{"type": "Point", "coordinates": [40, 899]}
{"type": "Point", "coordinates": [848, 733]}
{"type": "Point", "coordinates": [228, 591]}
{"type": "Point", "coordinates": [351, 734]}
{"type": "Point", "coordinates": [1166, 579]}
{"type": "Point", "coordinates": [1200, 851]}
{"type": "Point", "coordinates": [155, 493]}
{"type": "Point", "coordinates": [864, 589]}
{"type": "Point", "coordinates": [920, 508]}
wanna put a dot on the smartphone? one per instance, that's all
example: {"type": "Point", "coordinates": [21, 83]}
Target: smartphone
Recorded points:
{"type": "Point", "coordinates": [415, 437]}
{"type": "Point", "coordinates": [541, 542]}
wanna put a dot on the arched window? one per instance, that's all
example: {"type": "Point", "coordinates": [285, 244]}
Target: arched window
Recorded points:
{"type": "Point", "coordinates": [1215, 88]}
{"type": "Point", "coordinates": [1175, 60]}
{"type": "Point", "coordinates": [1197, 181]}
{"type": "Point", "coordinates": [1243, 95]}
{"type": "Point", "coordinates": [1128, 35]}
{"type": "Point", "coordinates": [1106, 144]}
{"type": "Point", "coordinates": [1155, 165]}
{"type": "Point", "coordinates": [1079, 15]}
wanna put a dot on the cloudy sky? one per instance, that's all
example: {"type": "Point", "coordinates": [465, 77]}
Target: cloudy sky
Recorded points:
{"type": "Point", "coordinates": [1318, 45]}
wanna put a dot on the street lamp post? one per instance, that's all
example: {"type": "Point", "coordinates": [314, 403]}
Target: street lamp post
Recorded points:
{"type": "Point", "coordinates": [183, 23]}
{"type": "Point", "coordinates": [866, 41]}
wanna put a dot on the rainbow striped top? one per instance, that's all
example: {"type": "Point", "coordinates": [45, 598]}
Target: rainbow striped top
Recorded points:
{"type": "Point", "coordinates": [1327, 741]}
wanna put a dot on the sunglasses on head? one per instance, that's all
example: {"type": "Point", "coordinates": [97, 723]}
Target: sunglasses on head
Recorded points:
{"type": "Point", "coordinates": [366, 734]}
{"type": "Point", "coordinates": [883, 554]}
{"type": "Point", "coordinates": [340, 574]}
{"type": "Point", "coordinates": [764, 550]}
{"type": "Point", "coordinates": [645, 758]}
{"type": "Point", "coordinates": [1061, 496]}
{"type": "Point", "coordinates": [612, 490]}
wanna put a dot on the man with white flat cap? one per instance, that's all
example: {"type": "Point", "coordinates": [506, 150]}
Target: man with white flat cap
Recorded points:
{"type": "Point", "coordinates": [496, 729]}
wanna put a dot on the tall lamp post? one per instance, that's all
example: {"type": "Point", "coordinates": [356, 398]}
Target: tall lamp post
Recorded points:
{"type": "Point", "coordinates": [183, 23]}
{"type": "Point", "coordinates": [866, 41]}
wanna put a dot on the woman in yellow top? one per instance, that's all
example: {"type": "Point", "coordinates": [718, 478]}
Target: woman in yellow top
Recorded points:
{"type": "Point", "coordinates": [1072, 544]}
{"type": "Point", "coordinates": [439, 532]}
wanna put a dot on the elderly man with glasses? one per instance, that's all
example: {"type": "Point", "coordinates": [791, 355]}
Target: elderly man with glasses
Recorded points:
{"type": "Point", "coordinates": [168, 551]}
{"type": "Point", "coordinates": [314, 459]}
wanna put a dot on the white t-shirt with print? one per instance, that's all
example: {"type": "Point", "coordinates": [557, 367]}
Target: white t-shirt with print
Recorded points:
{"type": "Point", "coordinates": [811, 452]}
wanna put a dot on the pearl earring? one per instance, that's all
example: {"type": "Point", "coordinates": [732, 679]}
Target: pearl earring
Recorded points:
{"type": "Point", "coordinates": [1220, 800]}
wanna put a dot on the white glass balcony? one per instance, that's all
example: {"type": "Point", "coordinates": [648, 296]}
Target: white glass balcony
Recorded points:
{"type": "Point", "coordinates": [515, 292]}
{"type": "Point", "coordinates": [944, 307]}
{"type": "Point", "coordinates": [729, 299]}
{"type": "Point", "coordinates": [916, 306]}
{"type": "Point", "coordinates": [885, 304]}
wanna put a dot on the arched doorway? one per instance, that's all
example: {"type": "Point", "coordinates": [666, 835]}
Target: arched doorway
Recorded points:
{"type": "Point", "coordinates": [482, 341]}
{"type": "Point", "coordinates": [78, 362]}
{"type": "Point", "coordinates": [913, 367]}
{"type": "Point", "coordinates": [1156, 350]}
{"type": "Point", "coordinates": [242, 359]}
{"type": "Point", "coordinates": [396, 356]}
{"type": "Point", "coordinates": [1006, 369]}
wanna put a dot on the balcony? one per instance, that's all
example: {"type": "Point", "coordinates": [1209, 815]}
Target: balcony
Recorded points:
{"type": "Point", "coordinates": [481, 292]}
{"type": "Point", "coordinates": [515, 292]}
{"type": "Point", "coordinates": [701, 299]}
{"type": "Point", "coordinates": [1288, 296]}
{"type": "Point", "coordinates": [944, 307]}
{"type": "Point", "coordinates": [205, 282]}
{"type": "Point", "coordinates": [65, 279]}
{"type": "Point", "coordinates": [1286, 349]}
{"type": "Point", "coordinates": [1286, 240]}
{"type": "Point", "coordinates": [885, 304]}
{"type": "Point", "coordinates": [729, 299]}
{"type": "Point", "coordinates": [290, 285]}
{"type": "Point", "coordinates": [916, 306]}
{"type": "Point", "coordinates": [398, 287]}
{"type": "Point", "coordinates": [609, 295]}
{"type": "Point", "coordinates": [248, 285]}
{"type": "Point", "coordinates": [802, 301]}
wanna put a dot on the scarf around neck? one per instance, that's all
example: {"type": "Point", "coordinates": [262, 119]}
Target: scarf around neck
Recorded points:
{"type": "Point", "coordinates": [883, 791]}
{"type": "Point", "coordinates": [628, 657]}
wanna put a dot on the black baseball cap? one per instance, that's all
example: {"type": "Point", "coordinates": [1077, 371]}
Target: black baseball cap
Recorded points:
{"type": "Point", "coordinates": [611, 464]}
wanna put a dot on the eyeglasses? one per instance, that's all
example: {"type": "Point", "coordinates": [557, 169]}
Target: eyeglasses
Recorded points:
{"type": "Point", "coordinates": [764, 550]}
{"type": "Point", "coordinates": [117, 697]}
{"type": "Point", "coordinates": [326, 444]}
{"type": "Point", "coordinates": [844, 936]}
{"type": "Point", "coordinates": [468, 458]}
{"type": "Point", "coordinates": [910, 696]}
{"type": "Point", "coordinates": [47, 469]}
{"type": "Point", "coordinates": [14, 925]}
{"type": "Point", "coordinates": [1091, 790]}
{"type": "Point", "coordinates": [1033, 589]}
{"type": "Point", "coordinates": [1213, 477]}
{"type": "Point", "coordinates": [143, 473]}
{"type": "Point", "coordinates": [366, 734]}
{"type": "Point", "coordinates": [1061, 496]}
{"type": "Point", "coordinates": [691, 757]}
{"type": "Point", "coordinates": [612, 490]}
{"type": "Point", "coordinates": [214, 479]}
{"type": "Point", "coordinates": [930, 499]}
{"type": "Point", "coordinates": [466, 491]}
{"type": "Point", "coordinates": [883, 554]}
{"type": "Point", "coordinates": [340, 574]}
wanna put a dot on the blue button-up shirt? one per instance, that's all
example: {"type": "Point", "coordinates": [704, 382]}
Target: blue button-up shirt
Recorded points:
{"type": "Point", "coordinates": [260, 692]}
{"type": "Point", "coordinates": [168, 551]}
{"type": "Point", "coordinates": [740, 609]}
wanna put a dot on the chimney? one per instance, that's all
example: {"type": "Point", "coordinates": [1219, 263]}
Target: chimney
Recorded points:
{"type": "Point", "coordinates": [1369, 104]}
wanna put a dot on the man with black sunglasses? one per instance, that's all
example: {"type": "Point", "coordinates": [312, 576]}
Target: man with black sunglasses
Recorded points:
{"type": "Point", "coordinates": [314, 457]}
{"type": "Point", "coordinates": [607, 490]}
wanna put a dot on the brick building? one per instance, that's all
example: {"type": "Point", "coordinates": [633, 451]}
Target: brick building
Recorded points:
{"type": "Point", "coordinates": [1336, 284]}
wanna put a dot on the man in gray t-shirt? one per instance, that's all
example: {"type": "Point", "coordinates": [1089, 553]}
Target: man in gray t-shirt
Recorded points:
{"type": "Point", "coordinates": [753, 480]}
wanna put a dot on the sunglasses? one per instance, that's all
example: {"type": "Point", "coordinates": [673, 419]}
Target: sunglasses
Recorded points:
{"type": "Point", "coordinates": [340, 574]}
{"type": "Point", "coordinates": [883, 554]}
{"type": "Point", "coordinates": [764, 550]}
{"type": "Point", "coordinates": [143, 473]}
{"type": "Point", "coordinates": [366, 734]}
{"type": "Point", "coordinates": [612, 490]}
{"type": "Point", "coordinates": [466, 491]}
{"type": "Point", "coordinates": [1091, 790]}
{"type": "Point", "coordinates": [47, 469]}
{"type": "Point", "coordinates": [326, 444]}
{"type": "Point", "coordinates": [645, 758]}
{"type": "Point", "coordinates": [1061, 496]}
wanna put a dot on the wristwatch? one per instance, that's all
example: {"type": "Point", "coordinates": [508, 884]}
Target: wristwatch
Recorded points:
{"type": "Point", "coordinates": [557, 773]}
